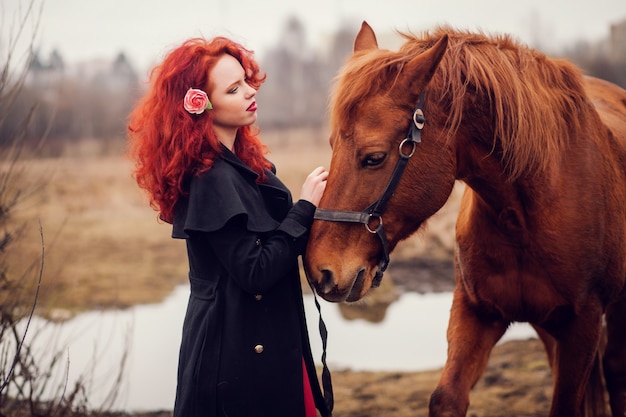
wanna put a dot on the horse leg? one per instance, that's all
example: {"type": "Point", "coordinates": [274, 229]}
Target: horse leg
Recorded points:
{"type": "Point", "coordinates": [614, 361]}
{"type": "Point", "coordinates": [578, 338]}
{"type": "Point", "coordinates": [470, 340]}
{"type": "Point", "coordinates": [594, 404]}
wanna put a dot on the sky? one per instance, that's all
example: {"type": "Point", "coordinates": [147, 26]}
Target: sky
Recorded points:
{"type": "Point", "coordinates": [145, 30]}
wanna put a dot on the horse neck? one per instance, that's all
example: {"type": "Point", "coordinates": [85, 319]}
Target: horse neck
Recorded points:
{"type": "Point", "coordinates": [479, 167]}
{"type": "Point", "coordinates": [478, 156]}
{"type": "Point", "coordinates": [482, 174]}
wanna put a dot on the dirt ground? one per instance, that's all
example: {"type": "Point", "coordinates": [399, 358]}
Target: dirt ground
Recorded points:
{"type": "Point", "coordinates": [517, 383]}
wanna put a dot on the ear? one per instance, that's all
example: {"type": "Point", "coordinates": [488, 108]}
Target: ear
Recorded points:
{"type": "Point", "coordinates": [418, 72]}
{"type": "Point", "coordinates": [365, 39]}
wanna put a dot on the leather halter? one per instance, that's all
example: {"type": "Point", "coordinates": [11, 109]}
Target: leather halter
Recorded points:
{"type": "Point", "coordinates": [372, 216]}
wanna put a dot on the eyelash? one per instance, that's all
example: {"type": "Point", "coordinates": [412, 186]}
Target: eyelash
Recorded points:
{"type": "Point", "coordinates": [234, 90]}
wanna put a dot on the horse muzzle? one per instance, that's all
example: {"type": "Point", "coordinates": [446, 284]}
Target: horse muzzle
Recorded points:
{"type": "Point", "coordinates": [329, 287]}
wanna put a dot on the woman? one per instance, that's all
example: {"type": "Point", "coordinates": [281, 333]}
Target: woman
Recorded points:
{"type": "Point", "coordinates": [245, 348]}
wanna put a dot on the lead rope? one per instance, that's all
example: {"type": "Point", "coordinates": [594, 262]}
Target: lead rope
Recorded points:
{"type": "Point", "coordinates": [327, 383]}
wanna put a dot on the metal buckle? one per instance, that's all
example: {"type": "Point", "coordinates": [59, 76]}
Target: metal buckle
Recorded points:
{"type": "Point", "coordinates": [380, 223]}
{"type": "Point", "coordinates": [404, 142]}
{"type": "Point", "coordinates": [418, 118]}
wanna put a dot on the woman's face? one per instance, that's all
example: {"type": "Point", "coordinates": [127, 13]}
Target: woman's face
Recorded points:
{"type": "Point", "coordinates": [231, 96]}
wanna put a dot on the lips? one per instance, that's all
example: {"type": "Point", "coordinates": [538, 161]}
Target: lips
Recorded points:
{"type": "Point", "coordinates": [252, 106]}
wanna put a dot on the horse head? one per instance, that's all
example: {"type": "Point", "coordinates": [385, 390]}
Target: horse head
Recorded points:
{"type": "Point", "coordinates": [373, 107]}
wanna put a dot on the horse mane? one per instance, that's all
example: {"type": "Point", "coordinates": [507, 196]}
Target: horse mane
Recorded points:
{"type": "Point", "coordinates": [365, 74]}
{"type": "Point", "coordinates": [535, 102]}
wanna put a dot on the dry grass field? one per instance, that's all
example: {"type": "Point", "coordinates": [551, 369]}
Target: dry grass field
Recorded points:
{"type": "Point", "coordinates": [103, 245]}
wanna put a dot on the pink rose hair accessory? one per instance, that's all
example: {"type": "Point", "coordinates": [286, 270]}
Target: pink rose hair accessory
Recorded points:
{"type": "Point", "coordinates": [196, 101]}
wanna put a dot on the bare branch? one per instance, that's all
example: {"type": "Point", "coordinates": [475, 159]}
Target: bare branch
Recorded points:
{"type": "Point", "coordinates": [30, 316]}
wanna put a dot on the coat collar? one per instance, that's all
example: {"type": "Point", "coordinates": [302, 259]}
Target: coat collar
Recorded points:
{"type": "Point", "coordinates": [234, 160]}
{"type": "Point", "coordinates": [272, 181]}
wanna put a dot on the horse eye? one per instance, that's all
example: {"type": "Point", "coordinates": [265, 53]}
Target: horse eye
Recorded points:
{"type": "Point", "coordinates": [374, 159]}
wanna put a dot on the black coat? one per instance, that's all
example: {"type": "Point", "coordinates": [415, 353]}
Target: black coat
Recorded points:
{"type": "Point", "coordinates": [244, 334]}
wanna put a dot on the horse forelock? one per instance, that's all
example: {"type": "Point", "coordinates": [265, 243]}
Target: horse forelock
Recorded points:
{"type": "Point", "coordinates": [534, 102]}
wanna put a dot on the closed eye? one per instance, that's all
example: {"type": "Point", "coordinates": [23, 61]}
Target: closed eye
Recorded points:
{"type": "Point", "coordinates": [236, 86]}
{"type": "Point", "coordinates": [373, 159]}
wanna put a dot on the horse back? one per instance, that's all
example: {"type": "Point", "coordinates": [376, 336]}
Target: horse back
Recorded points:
{"type": "Point", "coordinates": [610, 103]}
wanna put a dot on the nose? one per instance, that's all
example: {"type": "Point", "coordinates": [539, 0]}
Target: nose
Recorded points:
{"type": "Point", "coordinates": [251, 92]}
{"type": "Point", "coordinates": [327, 283]}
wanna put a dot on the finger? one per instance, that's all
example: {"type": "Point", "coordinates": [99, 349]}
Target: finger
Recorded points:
{"type": "Point", "coordinates": [317, 171]}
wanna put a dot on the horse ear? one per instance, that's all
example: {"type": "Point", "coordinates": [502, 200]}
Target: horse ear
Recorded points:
{"type": "Point", "coordinates": [419, 70]}
{"type": "Point", "coordinates": [365, 39]}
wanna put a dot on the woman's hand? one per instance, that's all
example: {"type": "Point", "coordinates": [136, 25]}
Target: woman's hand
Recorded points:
{"type": "Point", "coordinates": [314, 186]}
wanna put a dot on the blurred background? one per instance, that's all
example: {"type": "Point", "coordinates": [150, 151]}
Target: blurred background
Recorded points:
{"type": "Point", "coordinates": [93, 289]}
{"type": "Point", "coordinates": [91, 59]}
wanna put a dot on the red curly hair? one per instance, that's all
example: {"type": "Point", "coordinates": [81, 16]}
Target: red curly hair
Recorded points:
{"type": "Point", "coordinates": [170, 145]}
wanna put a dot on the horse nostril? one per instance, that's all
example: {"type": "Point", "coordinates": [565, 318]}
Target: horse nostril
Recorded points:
{"type": "Point", "coordinates": [328, 282]}
{"type": "Point", "coordinates": [357, 287]}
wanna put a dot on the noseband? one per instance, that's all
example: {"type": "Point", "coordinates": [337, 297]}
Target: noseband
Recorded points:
{"type": "Point", "coordinates": [372, 216]}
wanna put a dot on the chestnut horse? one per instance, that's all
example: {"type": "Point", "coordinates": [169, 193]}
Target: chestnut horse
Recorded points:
{"type": "Point", "coordinates": [541, 232]}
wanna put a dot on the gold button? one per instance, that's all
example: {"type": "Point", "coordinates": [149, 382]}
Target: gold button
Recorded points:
{"type": "Point", "coordinates": [258, 348]}
{"type": "Point", "coordinates": [258, 297]}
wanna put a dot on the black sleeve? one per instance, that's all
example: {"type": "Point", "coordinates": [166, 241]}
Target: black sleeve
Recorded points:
{"type": "Point", "coordinates": [257, 261]}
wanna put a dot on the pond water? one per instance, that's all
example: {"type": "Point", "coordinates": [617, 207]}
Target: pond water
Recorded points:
{"type": "Point", "coordinates": [410, 337]}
